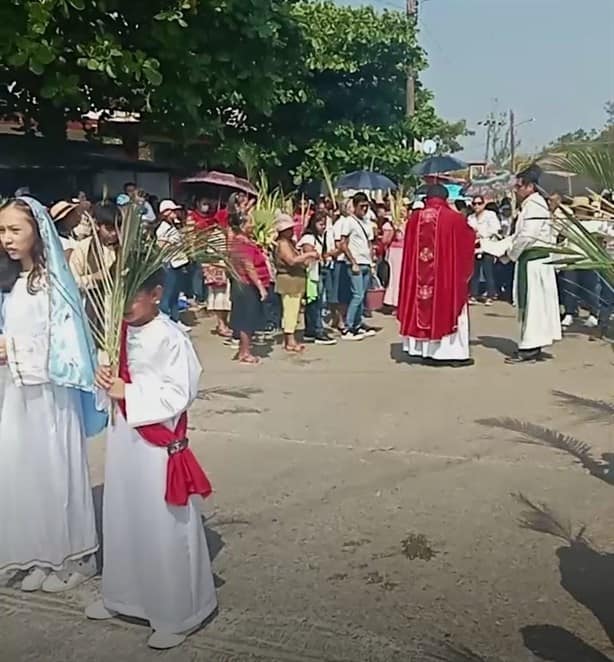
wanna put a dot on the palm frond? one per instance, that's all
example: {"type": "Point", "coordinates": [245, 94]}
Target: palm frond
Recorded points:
{"type": "Point", "coordinates": [328, 179]}
{"type": "Point", "coordinates": [138, 256]}
{"type": "Point", "coordinates": [594, 161]}
{"type": "Point", "coordinates": [543, 519]}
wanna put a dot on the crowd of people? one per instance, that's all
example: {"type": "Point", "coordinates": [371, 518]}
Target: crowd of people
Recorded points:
{"type": "Point", "coordinates": [324, 260]}
{"type": "Point", "coordinates": [322, 264]}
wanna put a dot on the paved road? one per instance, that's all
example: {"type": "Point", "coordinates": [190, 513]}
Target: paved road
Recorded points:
{"type": "Point", "coordinates": [364, 511]}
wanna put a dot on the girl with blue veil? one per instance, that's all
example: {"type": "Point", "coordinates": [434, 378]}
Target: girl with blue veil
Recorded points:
{"type": "Point", "coordinates": [47, 367]}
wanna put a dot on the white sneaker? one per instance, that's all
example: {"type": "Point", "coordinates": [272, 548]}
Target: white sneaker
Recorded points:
{"type": "Point", "coordinates": [184, 327]}
{"type": "Point", "coordinates": [567, 321]}
{"type": "Point", "coordinates": [55, 584]}
{"type": "Point", "coordinates": [34, 579]}
{"type": "Point", "coordinates": [591, 322]}
{"type": "Point", "coordinates": [98, 612]}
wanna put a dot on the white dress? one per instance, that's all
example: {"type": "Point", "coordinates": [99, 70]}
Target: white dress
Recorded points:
{"type": "Point", "coordinates": [454, 347]}
{"type": "Point", "coordinates": [156, 562]}
{"type": "Point", "coordinates": [46, 507]}
{"type": "Point", "coordinates": [542, 320]}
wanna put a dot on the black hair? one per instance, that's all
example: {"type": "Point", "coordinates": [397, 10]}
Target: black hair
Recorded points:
{"type": "Point", "coordinates": [156, 279]}
{"type": "Point", "coordinates": [492, 206]}
{"type": "Point", "coordinates": [360, 198]}
{"type": "Point", "coordinates": [437, 191]}
{"type": "Point", "coordinates": [11, 269]}
{"type": "Point", "coordinates": [127, 184]}
{"type": "Point", "coordinates": [530, 175]}
{"type": "Point", "coordinates": [237, 220]}
{"type": "Point", "coordinates": [107, 213]}
{"type": "Point", "coordinates": [315, 218]}
{"type": "Point", "coordinates": [460, 205]}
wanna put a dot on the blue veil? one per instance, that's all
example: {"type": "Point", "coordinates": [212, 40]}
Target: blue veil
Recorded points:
{"type": "Point", "coordinates": [72, 353]}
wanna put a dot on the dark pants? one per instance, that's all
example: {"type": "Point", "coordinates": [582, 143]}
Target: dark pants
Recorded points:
{"type": "Point", "coordinates": [172, 288]}
{"type": "Point", "coordinates": [485, 263]}
{"type": "Point", "coordinates": [313, 313]}
{"type": "Point", "coordinates": [196, 283]}
{"type": "Point", "coordinates": [272, 310]}
{"type": "Point", "coordinates": [607, 306]}
{"type": "Point", "coordinates": [580, 286]}
{"type": "Point", "coordinates": [504, 277]}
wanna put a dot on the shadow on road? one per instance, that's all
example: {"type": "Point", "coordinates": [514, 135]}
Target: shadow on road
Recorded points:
{"type": "Point", "coordinates": [504, 346]}
{"type": "Point", "coordinates": [556, 644]}
{"type": "Point", "coordinates": [538, 435]}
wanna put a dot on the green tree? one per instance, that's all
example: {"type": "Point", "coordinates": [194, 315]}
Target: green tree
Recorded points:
{"type": "Point", "coordinates": [189, 66]}
{"type": "Point", "coordinates": [347, 106]}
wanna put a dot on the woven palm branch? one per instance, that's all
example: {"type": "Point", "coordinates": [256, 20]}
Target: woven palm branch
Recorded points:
{"type": "Point", "coordinates": [138, 257]}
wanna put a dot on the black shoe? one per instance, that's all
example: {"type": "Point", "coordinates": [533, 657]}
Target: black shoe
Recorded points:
{"type": "Point", "coordinates": [324, 339]}
{"type": "Point", "coordinates": [526, 357]}
{"type": "Point", "coordinates": [462, 363]}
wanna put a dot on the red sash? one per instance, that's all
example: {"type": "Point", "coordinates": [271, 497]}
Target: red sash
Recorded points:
{"type": "Point", "coordinates": [184, 475]}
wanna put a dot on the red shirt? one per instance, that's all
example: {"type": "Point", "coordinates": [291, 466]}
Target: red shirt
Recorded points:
{"type": "Point", "coordinates": [208, 221]}
{"type": "Point", "coordinates": [245, 251]}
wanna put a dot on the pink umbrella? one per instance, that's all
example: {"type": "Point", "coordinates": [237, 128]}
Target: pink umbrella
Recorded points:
{"type": "Point", "coordinates": [216, 178]}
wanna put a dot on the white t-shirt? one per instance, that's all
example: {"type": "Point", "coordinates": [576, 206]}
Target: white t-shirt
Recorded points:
{"type": "Point", "coordinates": [486, 225]}
{"type": "Point", "coordinates": [360, 235]}
{"type": "Point", "coordinates": [337, 233]}
{"type": "Point", "coordinates": [170, 234]}
{"type": "Point", "coordinates": [313, 271]}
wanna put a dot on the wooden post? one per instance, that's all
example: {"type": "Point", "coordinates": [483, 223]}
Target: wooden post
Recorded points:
{"type": "Point", "coordinates": [410, 91]}
{"type": "Point", "coordinates": [512, 143]}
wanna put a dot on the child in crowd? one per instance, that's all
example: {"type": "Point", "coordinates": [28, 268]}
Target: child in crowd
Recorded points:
{"type": "Point", "coordinates": [156, 560]}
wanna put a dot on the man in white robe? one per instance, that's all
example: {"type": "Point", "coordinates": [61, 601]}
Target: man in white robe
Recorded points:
{"type": "Point", "coordinates": [536, 294]}
{"type": "Point", "coordinates": [156, 561]}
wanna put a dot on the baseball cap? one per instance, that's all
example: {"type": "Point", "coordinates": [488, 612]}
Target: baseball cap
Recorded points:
{"type": "Point", "coordinates": [168, 205]}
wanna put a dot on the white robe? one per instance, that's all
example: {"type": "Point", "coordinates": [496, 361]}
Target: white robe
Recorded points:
{"type": "Point", "coordinates": [454, 347]}
{"type": "Point", "coordinates": [542, 320]}
{"type": "Point", "coordinates": [156, 562]}
{"type": "Point", "coordinates": [46, 507]}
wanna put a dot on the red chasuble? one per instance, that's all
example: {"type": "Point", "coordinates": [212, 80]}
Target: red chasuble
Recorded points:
{"type": "Point", "coordinates": [184, 475]}
{"type": "Point", "coordinates": [438, 258]}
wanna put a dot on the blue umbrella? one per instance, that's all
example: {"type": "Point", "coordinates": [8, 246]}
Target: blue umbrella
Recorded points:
{"type": "Point", "coordinates": [365, 180]}
{"type": "Point", "coordinates": [436, 165]}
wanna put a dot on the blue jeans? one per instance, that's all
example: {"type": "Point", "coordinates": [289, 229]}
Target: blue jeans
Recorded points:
{"type": "Point", "coordinates": [313, 312]}
{"type": "Point", "coordinates": [172, 289]}
{"type": "Point", "coordinates": [580, 286]}
{"type": "Point", "coordinates": [360, 284]}
{"type": "Point", "coordinates": [197, 282]}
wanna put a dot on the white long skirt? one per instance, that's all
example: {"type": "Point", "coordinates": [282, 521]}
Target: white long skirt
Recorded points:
{"type": "Point", "coordinates": [46, 507]}
{"type": "Point", "coordinates": [542, 323]}
{"type": "Point", "coordinates": [156, 562]}
{"type": "Point", "coordinates": [454, 347]}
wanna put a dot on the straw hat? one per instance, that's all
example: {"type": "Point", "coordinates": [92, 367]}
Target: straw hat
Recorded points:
{"type": "Point", "coordinates": [61, 209]}
{"type": "Point", "coordinates": [283, 222]}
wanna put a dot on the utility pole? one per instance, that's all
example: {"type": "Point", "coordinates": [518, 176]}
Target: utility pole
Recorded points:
{"type": "Point", "coordinates": [512, 142]}
{"type": "Point", "coordinates": [410, 93]}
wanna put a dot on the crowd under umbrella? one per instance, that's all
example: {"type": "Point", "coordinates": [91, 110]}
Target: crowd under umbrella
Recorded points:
{"type": "Point", "coordinates": [365, 180]}
{"type": "Point", "coordinates": [437, 165]}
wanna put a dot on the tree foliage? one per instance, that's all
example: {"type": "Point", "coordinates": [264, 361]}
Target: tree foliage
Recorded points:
{"type": "Point", "coordinates": [351, 110]}
{"type": "Point", "coordinates": [184, 64]}
{"type": "Point", "coordinates": [295, 81]}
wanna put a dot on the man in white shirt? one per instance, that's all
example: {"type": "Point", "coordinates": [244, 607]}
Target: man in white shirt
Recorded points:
{"type": "Point", "coordinates": [356, 239]}
{"type": "Point", "coordinates": [536, 290]}
{"type": "Point", "coordinates": [486, 225]}
{"type": "Point", "coordinates": [169, 233]}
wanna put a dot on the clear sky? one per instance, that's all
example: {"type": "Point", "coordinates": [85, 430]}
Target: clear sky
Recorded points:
{"type": "Point", "coordinates": [552, 60]}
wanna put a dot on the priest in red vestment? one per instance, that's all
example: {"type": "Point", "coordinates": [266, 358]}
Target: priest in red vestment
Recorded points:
{"type": "Point", "coordinates": [437, 266]}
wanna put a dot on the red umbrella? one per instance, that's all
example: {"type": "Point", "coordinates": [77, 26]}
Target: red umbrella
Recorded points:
{"type": "Point", "coordinates": [216, 178]}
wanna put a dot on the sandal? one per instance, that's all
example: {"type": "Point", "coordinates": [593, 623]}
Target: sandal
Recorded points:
{"type": "Point", "coordinates": [226, 333]}
{"type": "Point", "coordinates": [295, 349]}
{"type": "Point", "coordinates": [249, 360]}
